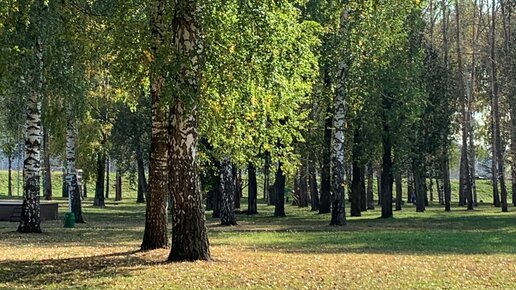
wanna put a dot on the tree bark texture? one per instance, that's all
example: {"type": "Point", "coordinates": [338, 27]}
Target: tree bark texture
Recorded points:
{"type": "Point", "coordinates": [338, 216]}
{"type": "Point", "coordinates": [399, 190]}
{"type": "Point", "coordinates": [155, 233]}
{"type": "Point", "coordinates": [99, 185]}
{"type": "Point", "coordinates": [118, 186]}
{"type": "Point", "coordinates": [189, 233]}
{"type": "Point", "coordinates": [312, 180]}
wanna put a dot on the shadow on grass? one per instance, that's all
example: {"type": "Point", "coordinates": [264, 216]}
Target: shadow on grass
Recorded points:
{"type": "Point", "coordinates": [70, 271]}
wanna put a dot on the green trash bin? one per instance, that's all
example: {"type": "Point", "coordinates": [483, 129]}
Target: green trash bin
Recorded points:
{"type": "Point", "coordinates": [69, 220]}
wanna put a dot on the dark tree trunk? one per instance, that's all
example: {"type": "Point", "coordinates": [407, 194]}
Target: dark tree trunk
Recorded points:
{"type": "Point", "coordinates": [279, 192]}
{"type": "Point", "coordinates": [325, 199]}
{"type": "Point", "coordinates": [370, 180]}
{"type": "Point", "coordinates": [356, 190]}
{"type": "Point", "coordinates": [99, 186]}
{"type": "Point", "coordinates": [431, 189]}
{"type": "Point", "coordinates": [446, 179]}
{"type": "Point", "coordinates": [420, 185]}
{"type": "Point", "coordinates": [228, 192]}
{"type": "Point", "coordinates": [216, 194]}
{"type": "Point", "coordinates": [399, 190]}
{"type": "Point", "coordinates": [312, 180]}
{"type": "Point", "coordinates": [237, 176]}
{"type": "Point", "coordinates": [303, 184]}
{"type": "Point", "coordinates": [64, 191]}
{"type": "Point", "coordinates": [9, 176]}
{"type": "Point", "coordinates": [142, 181]}
{"type": "Point", "coordinates": [410, 187]}
{"type": "Point", "coordinates": [118, 186]}
{"type": "Point", "coordinates": [379, 187]}
{"type": "Point", "coordinates": [266, 169]}
{"type": "Point", "coordinates": [363, 197]}
{"type": "Point", "coordinates": [387, 178]}
{"type": "Point", "coordinates": [252, 190]}
{"type": "Point", "coordinates": [107, 176]}
{"type": "Point", "coordinates": [47, 173]}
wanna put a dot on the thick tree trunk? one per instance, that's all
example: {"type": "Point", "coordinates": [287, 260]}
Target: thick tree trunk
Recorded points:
{"type": "Point", "coordinates": [338, 214]}
{"type": "Point", "coordinates": [228, 192]}
{"type": "Point", "coordinates": [399, 190]}
{"type": "Point", "coordinates": [189, 234]}
{"type": "Point", "coordinates": [312, 180]}
{"type": "Point", "coordinates": [370, 180]}
{"type": "Point", "coordinates": [325, 199]}
{"type": "Point", "coordinates": [252, 190]}
{"type": "Point", "coordinates": [99, 185]}
{"type": "Point", "coordinates": [30, 218]}
{"type": "Point", "coordinates": [74, 192]}
{"type": "Point", "coordinates": [155, 234]}
{"type": "Point", "coordinates": [47, 173]}
{"type": "Point", "coordinates": [118, 186]}
{"type": "Point", "coordinates": [279, 192]}
{"type": "Point", "coordinates": [142, 182]}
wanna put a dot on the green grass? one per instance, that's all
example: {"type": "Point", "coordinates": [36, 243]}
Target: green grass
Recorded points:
{"type": "Point", "coordinates": [432, 250]}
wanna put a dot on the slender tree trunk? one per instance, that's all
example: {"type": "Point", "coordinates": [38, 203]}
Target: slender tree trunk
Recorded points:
{"type": "Point", "coordinates": [357, 174]}
{"type": "Point", "coordinates": [387, 176]}
{"type": "Point", "coordinates": [237, 178]}
{"type": "Point", "coordinates": [410, 186]}
{"type": "Point", "coordinates": [266, 173]}
{"type": "Point", "coordinates": [74, 193]}
{"type": "Point", "coordinates": [47, 173]}
{"type": "Point", "coordinates": [107, 176]}
{"type": "Point", "coordinates": [9, 176]}
{"type": "Point", "coordinates": [431, 188]}
{"type": "Point", "coordinates": [99, 186]}
{"type": "Point", "coordinates": [118, 186]}
{"type": "Point", "coordinates": [303, 184]}
{"type": "Point", "coordinates": [312, 180]}
{"type": "Point", "coordinates": [420, 185]}
{"type": "Point", "coordinates": [279, 192]}
{"type": "Point", "coordinates": [370, 180]}
{"type": "Point", "coordinates": [325, 199]}
{"type": "Point", "coordinates": [496, 113]}
{"type": "Point", "coordinates": [465, 176]}
{"type": "Point", "coordinates": [252, 190]}
{"type": "Point", "coordinates": [363, 197]}
{"type": "Point", "coordinates": [142, 182]}
{"type": "Point", "coordinates": [379, 187]}
{"type": "Point", "coordinates": [338, 213]}
{"type": "Point", "coordinates": [399, 190]}
{"type": "Point", "coordinates": [227, 189]}
{"type": "Point", "coordinates": [84, 189]}
{"type": "Point", "coordinates": [189, 234]}
{"type": "Point", "coordinates": [30, 220]}
{"type": "Point", "coordinates": [445, 159]}
{"type": "Point", "coordinates": [155, 233]}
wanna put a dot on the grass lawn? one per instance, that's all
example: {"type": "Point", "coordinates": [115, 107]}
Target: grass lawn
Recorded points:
{"type": "Point", "coordinates": [431, 250]}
